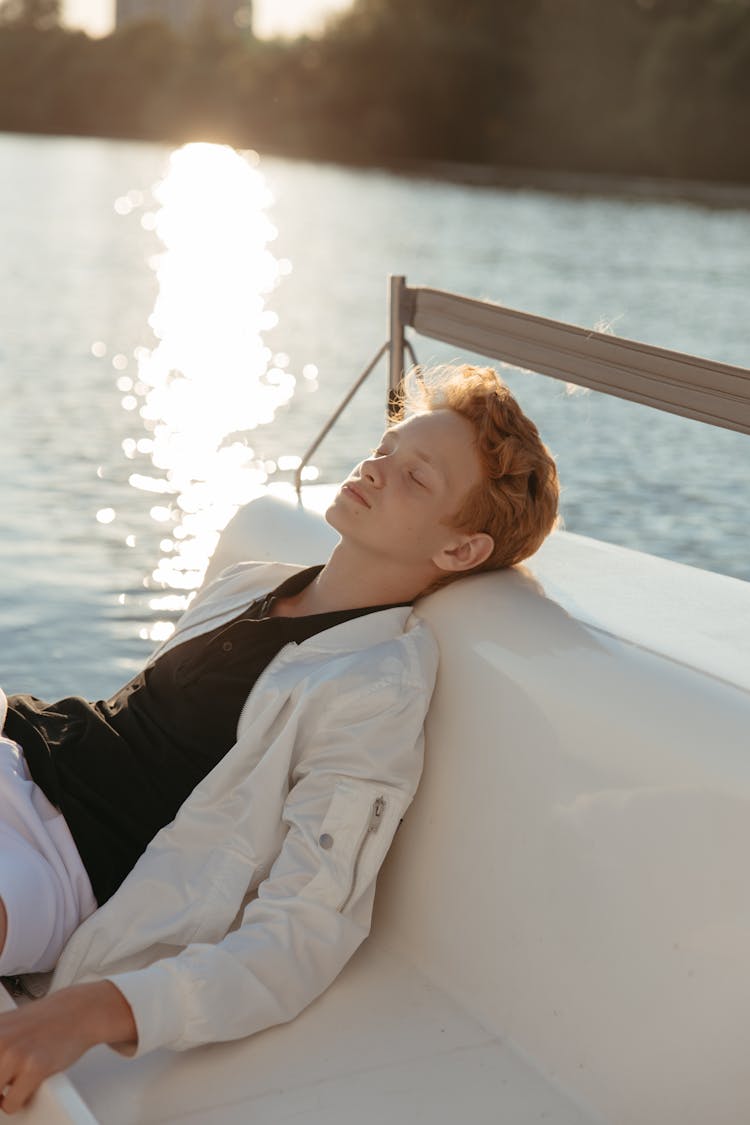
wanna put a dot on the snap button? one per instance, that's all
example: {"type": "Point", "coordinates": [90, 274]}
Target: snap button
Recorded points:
{"type": "Point", "coordinates": [227, 646]}
{"type": "Point", "coordinates": [326, 841]}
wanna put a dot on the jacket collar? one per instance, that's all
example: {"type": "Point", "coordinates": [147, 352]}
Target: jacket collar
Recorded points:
{"type": "Point", "coordinates": [360, 632]}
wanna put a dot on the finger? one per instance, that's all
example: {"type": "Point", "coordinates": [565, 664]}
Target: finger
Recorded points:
{"type": "Point", "coordinates": [6, 1083]}
{"type": "Point", "coordinates": [21, 1089]}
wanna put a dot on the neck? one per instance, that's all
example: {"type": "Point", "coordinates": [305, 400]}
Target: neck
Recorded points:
{"type": "Point", "coordinates": [351, 580]}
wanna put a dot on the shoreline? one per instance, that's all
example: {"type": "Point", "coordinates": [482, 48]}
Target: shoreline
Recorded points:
{"type": "Point", "coordinates": [708, 193]}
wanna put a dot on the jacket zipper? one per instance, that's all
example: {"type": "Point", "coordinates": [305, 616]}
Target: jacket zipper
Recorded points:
{"type": "Point", "coordinates": [376, 814]}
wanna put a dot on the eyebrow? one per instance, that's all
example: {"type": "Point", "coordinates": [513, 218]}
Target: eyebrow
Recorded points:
{"type": "Point", "coordinates": [393, 432]}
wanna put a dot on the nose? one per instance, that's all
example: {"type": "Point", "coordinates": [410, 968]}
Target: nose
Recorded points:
{"type": "Point", "coordinates": [372, 471]}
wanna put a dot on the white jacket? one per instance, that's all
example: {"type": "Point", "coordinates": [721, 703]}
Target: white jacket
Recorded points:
{"type": "Point", "coordinates": [247, 906]}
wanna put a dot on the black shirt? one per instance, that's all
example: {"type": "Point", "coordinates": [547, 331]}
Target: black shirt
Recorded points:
{"type": "Point", "coordinates": [119, 769]}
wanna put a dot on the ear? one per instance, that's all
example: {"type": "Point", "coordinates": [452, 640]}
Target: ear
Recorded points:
{"type": "Point", "coordinates": [469, 551]}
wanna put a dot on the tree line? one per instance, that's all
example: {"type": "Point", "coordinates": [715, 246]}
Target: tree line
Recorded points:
{"type": "Point", "coordinates": [635, 87]}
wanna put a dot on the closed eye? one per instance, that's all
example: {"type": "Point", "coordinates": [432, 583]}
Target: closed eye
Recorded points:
{"type": "Point", "coordinates": [381, 451]}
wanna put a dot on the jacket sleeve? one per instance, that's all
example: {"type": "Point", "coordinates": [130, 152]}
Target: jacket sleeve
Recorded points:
{"type": "Point", "coordinates": [315, 907]}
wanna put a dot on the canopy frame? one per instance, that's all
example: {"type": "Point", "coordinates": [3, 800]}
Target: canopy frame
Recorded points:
{"type": "Point", "coordinates": [676, 382]}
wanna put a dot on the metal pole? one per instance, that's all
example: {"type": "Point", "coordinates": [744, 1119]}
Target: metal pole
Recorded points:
{"type": "Point", "coordinates": [395, 330]}
{"type": "Point", "coordinates": [334, 418]}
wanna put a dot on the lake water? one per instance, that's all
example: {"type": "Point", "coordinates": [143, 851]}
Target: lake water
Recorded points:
{"type": "Point", "coordinates": [175, 323]}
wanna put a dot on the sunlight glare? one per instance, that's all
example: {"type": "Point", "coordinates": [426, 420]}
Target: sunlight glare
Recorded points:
{"type": "Point", "coordinates": [210, 380]}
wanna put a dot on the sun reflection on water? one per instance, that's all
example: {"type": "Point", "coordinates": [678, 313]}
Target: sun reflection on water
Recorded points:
{"type": "Point", "coordinates": [210, 379]}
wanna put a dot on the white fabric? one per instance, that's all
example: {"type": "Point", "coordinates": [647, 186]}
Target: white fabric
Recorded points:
{"type": "Point", "coordinates": [43, 883]}
{"type": "Point", "coordinates": [247, 906]}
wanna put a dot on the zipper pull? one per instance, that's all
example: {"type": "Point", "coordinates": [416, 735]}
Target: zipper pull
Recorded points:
{"type": "Point", "coordinates": [377, 812]}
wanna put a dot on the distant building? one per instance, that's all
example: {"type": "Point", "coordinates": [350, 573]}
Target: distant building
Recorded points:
{"type": "Point", "coordinates": [230, 15]}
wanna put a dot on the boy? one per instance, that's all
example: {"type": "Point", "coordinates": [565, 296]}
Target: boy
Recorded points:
{"type": "Point", "coordinates": [239, 893]}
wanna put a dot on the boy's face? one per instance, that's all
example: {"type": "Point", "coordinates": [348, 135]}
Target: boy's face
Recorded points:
{"type": "Point", "coordinates": [398, 501]}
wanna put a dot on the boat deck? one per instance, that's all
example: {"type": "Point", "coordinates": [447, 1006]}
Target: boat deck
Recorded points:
{"type": "Point", "coordinates": [382, 1044]}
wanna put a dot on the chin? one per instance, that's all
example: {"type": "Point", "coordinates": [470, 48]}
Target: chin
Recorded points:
{"type": "Point", "coordinates": [331, 515]}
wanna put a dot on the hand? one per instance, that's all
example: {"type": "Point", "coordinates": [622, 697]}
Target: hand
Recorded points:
{"type": "Point", "coordinates": [45, 1036]}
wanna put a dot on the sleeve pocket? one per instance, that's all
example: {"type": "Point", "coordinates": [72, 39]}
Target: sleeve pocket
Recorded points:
{"type": "Point", "coordinates": [353, 840]}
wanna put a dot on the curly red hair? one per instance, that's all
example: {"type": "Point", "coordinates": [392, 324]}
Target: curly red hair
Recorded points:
{"type": "Point", "coordinates": [517, 501]}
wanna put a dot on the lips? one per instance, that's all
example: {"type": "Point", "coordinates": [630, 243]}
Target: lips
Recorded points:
{"type": "Point", "coordinates": [349, 487]}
